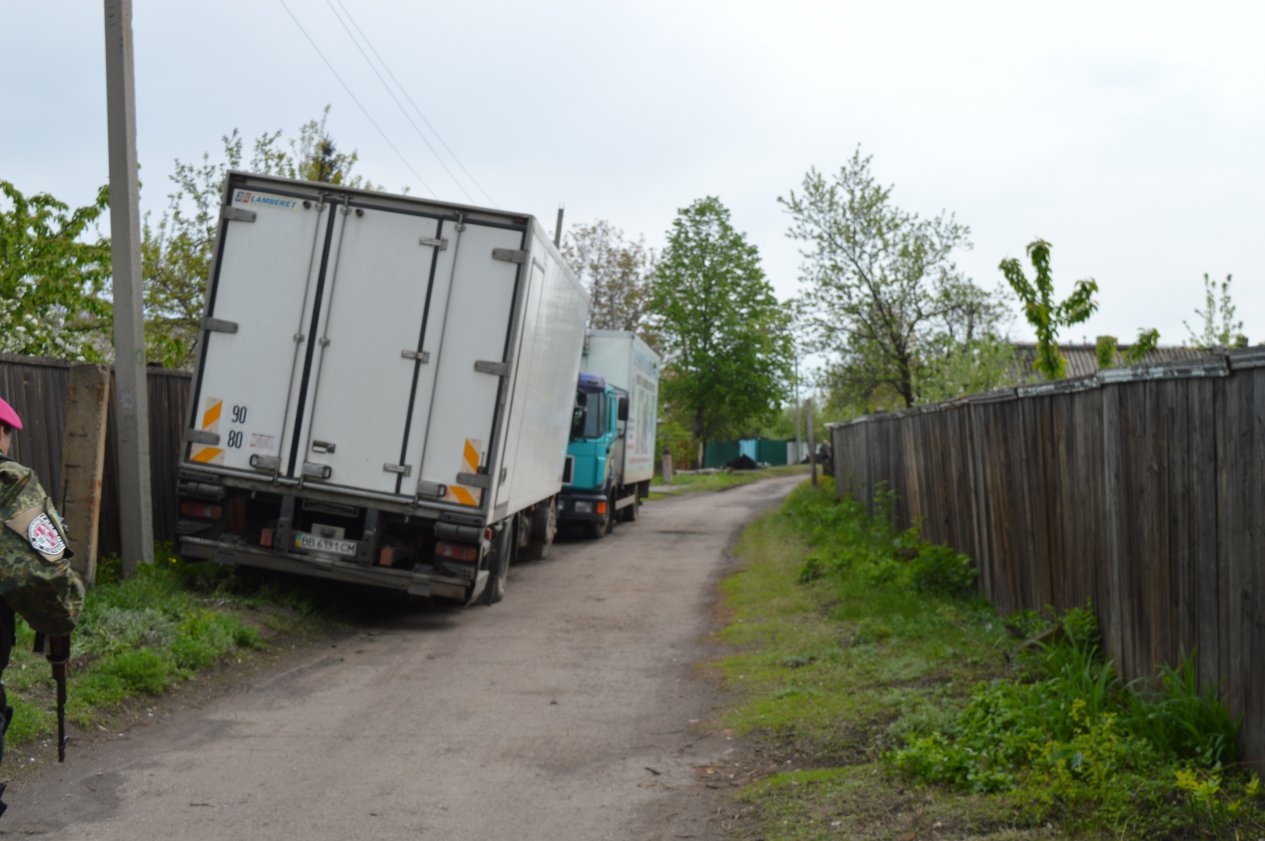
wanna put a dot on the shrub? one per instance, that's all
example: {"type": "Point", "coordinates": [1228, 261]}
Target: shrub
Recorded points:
{"type": "Point", "coordinates": [940, 570]}
{"type": "Point", "coordinates": [1073, 742]}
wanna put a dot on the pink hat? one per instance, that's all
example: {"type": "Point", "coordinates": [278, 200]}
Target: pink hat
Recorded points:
{"type": "Point", "coordinates": [8, 416]}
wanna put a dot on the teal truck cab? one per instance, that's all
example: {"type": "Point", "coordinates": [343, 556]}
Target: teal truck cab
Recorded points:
{"type": "Point", "coordinates": [610, 458]}
{"type": "Point", "coordinates": [593, 488]}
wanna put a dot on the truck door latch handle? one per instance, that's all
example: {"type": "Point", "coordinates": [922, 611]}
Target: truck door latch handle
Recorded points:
{"type": "Point", "coordinates": [322, 447]}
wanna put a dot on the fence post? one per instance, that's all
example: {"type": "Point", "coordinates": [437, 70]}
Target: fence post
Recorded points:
{"type": "Point", "coordinates": [83, 462]}
{"type": "Point", "coordinates": [812, 445]}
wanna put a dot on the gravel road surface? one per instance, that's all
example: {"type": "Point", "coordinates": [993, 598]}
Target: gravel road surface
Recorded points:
{"type": "Point", "coordinates": [568, 712]}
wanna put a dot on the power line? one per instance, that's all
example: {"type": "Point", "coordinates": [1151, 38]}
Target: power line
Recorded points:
{"type": "Point", "coordinates": [363, 110]}
{"type": "Point", "coordinates": [434, 131]}
{"type": "Point", "coordinates": [396, 99]}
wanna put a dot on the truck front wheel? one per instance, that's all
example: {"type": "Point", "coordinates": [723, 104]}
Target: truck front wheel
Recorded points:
{"type": "Point", "coordinates": [629, 513]}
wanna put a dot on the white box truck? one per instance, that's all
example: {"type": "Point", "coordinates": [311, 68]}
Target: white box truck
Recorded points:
{"type": "Point", "coordinates": [383, 391]}
{"type": "Point", "coordinates": [610, 460]}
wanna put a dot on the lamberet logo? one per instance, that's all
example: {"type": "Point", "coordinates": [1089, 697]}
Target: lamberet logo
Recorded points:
{"type": "Point", "coordinates": [249, 197]}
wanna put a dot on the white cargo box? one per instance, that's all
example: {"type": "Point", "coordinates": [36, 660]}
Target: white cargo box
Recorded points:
{"type": "Point", "coordinates": [418, 354]}
{"type": "Point", "coordinates": [626, 362]}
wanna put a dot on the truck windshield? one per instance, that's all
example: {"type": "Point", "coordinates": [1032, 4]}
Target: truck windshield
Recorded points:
{"type": "Point", "coordinates": [590, 415]}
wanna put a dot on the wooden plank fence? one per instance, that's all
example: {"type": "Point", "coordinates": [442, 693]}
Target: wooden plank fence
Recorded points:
{"type": "Point", "coordinates": [37, 389]}
{"type": "Point", "coordinates": [1141, 490]}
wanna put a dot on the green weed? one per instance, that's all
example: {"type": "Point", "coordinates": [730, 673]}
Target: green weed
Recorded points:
{"type": "Point", "coordinates": [142, 636]}
{"type": "Point", "coordinates": [864, 658]}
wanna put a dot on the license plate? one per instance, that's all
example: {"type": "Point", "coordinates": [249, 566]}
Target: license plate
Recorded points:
{"type": "Point", "coordinates": [315, 543]}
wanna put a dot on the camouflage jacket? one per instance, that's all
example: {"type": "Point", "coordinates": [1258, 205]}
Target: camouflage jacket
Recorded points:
{"type": "Point", "coordinates": [36, 579]}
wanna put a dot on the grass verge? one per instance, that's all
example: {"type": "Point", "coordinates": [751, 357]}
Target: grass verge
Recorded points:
{"type": "Point", "coordinates": [141, 637]}
{"type": "Point", "coordinates": [883, 702]}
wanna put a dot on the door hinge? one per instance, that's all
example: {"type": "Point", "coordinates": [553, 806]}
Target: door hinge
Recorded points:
{"type": "Point", "coordinates": [218, 325]}
{"type": "Point", "coordinates": [401, 469]}
{"type": "Point", "coordinates": [474, 480]}
{"type": "Point", "coordinates": [496, 369]}
{"type": "Point", "coordinates": [312, 470]}
{"type": "Point", "coordinates": [510, 255]}
{"type": "Point", "coordinates": [267, 463]}
{"type": "Point", "coordinates": [236, 214]}
{"type": "Point", "coordinates": [201, 436]}
{"type": "Point", "coordinates": [422, 356]}
{"type": "Point", "coordinates": [437, 243]}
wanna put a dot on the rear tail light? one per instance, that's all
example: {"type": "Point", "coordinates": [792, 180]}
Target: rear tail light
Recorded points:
{"type": "Point", "coordinates": [200, 510]}
{"type": "Point", "coordinates": [457, 551]}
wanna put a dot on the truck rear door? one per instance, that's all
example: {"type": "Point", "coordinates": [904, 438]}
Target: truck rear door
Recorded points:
{"type": "Point", "coordinates": [258, 308]}
{"type": "Point", "coordinates": [356, 342]}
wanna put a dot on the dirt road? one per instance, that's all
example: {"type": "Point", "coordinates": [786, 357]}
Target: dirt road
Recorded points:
{"type": "Point", "coordinates": [566, 713]}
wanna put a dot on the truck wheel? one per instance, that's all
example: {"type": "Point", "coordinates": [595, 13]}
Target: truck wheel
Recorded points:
{"type": "Point", "coordinates": [630, 513]}
{"type": "Point", "coordinates": [611, 513]}
{"type": "Point", "coordinates": [544, 527]}
{"type": "Point", "coordinates": [498, 566]}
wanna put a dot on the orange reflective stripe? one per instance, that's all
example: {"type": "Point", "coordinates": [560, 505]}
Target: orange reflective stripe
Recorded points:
{"type": "Point", "coordinates": [472, 457]}
{"type": "Point", "coordinates": [212, 414]}
{"type": "Point", "coordinates": [207, 454]}
{"type": "Point", "coordinates": [462, 495]}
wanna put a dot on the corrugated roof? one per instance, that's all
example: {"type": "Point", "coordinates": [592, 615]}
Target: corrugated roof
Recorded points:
{"type": "Point", "coordinates": [1082, 359]}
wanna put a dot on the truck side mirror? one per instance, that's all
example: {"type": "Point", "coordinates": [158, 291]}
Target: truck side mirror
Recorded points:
{"type": "Point", "coordinates": [623, 408]}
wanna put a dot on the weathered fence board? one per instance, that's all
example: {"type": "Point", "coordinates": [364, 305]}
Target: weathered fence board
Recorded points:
{"type": "Point", "coordinates": [1139, 491]}
{"type": "Point", "coordinates": [37, 389]}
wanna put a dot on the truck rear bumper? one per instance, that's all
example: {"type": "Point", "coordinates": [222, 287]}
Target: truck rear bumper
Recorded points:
{"type": "Point", "coordinates": [423, 582]}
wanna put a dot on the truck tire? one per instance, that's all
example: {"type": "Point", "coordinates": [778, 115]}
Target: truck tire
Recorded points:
{"type": "Point", "coordinates": [629, 514]}
{"type": "Point", "coordinates": [544, 527]}
{"type": "Point", "coordinates": [498, 565]}
{"type": "Point", "coordinates": [597, 529]}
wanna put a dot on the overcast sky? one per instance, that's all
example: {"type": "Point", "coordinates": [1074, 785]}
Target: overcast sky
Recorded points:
{"type": "Point", "coordinates": [1129, 135]}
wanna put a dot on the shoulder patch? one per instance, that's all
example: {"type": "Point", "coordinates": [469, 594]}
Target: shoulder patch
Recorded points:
{"type": "Point", "coordinates": [44, 536]}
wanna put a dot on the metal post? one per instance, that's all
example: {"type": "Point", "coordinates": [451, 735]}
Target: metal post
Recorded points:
{"type": "Point", "coordinates": [799, 447]}
{"type": "Point", "coordinates": [812, 444]}
{"type": "Point", "coordinates": [131, 400]}
{"type": "Point", "coordinates": [557, 231]}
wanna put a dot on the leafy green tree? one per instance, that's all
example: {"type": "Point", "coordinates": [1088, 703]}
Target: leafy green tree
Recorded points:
{"type": "Point", "coordinates": [619, 275]}
{"type": "Point", "coordinates": [724, 335]}
{"type": "Point", "coordinates": [1110, 354]}
{"type": "Point", "coordinates": [884, 296]}
{"type": "Point", "coordinates": [54, 277]}
{"type": "Point", "coordinates": [176, 251]}
{"type": "Point", "coordinates": [970, 367]}
{"type": "Point", "coordinates": [1218, 327]}
{"type": "Point", "coordinates": [1039, 307]}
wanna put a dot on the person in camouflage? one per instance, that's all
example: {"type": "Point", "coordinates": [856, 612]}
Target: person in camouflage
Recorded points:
{"type": "Point", "coordinates": [36, 579]}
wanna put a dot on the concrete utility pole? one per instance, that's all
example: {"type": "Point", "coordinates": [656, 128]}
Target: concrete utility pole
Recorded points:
{"type": "Point", "coordinates": [132, 403]}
